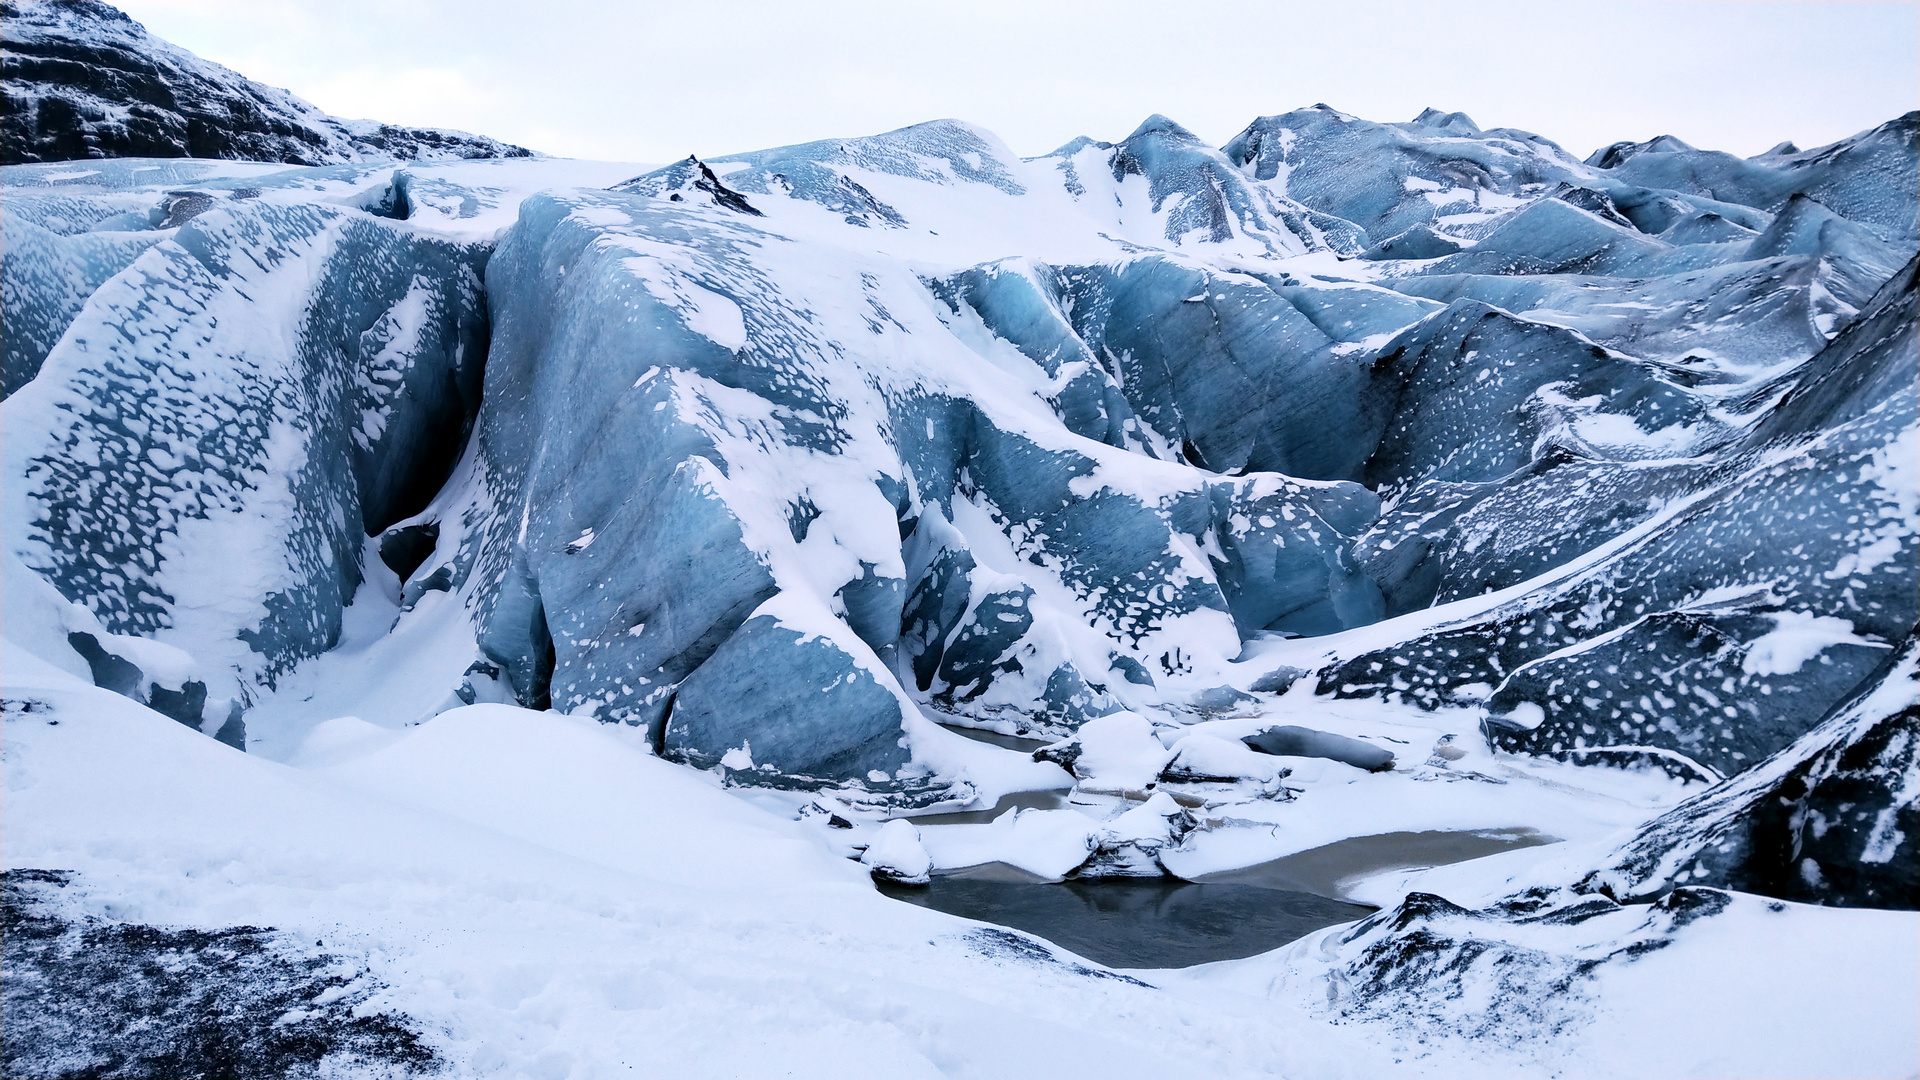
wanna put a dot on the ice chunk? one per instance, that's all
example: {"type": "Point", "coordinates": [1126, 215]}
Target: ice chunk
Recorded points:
{"type": "Point", "coordinates": [896, 854]}
{"type": "Point", "coordinates": [1289, 740]}
{"type": "Point", "coordinates": [1207, 758]}
{"type": "Point", "coordinates": [1117, 752]}
{"type": "Point", "coordinates": [808, 708]}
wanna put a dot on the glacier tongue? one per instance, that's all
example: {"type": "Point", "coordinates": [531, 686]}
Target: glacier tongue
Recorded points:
{"type": "Point", "coordinates": [1273, 516]}
{"type": "Point", "coordinates": [781, 456]}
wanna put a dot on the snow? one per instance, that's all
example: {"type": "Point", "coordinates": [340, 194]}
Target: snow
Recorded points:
{"type": "Point", "coordinates": [1761, 990]}
{"type": "Point", "coordinates": [549, 900]}
{"type": "Point", "coordinates": [1120, 751]}
{"type": "Point", "coordinates": [1797, 637]}
{"type": "Point", "coordinates": [391, 670]}
{"type": "Point", "coordinates": [895, 852]}
{"type": "Point", "coordinates": [1777, 975]}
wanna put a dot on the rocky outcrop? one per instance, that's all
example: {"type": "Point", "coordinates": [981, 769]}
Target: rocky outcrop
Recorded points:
{"type": "Point", "coordinates": [79, 79]}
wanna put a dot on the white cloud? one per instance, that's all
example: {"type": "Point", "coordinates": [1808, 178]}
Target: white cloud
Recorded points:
{"type": "Point", "coordinates": [435, 97]}
{"type": "Point", "coordinates": [654, 80]}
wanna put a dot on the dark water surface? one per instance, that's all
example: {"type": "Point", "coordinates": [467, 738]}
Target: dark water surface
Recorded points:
{"type": "Point", "coordinates": [1166, 922]}
{"type": "Point", "coordinates": [1134, 922]}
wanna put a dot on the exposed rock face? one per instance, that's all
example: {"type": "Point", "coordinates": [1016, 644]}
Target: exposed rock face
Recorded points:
{"type": "Point", "coordinates": [79, 79]}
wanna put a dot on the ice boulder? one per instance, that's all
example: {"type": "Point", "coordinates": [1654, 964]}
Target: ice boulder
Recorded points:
{"type": "Point", "coordinates": [795, 704]}
{"type": "Point", "coordinates": [1290, 740]}
{"type": "Point", "coordinates": [1130, 844]}
{"type": "Point", "coordinates": [1117, 752]}
{"type": "Point", "coordinates": [1202, 758]}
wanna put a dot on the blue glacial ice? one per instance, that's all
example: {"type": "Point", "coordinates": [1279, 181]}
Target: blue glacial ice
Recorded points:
{"type": "Point", "coordinates": [780, 457]}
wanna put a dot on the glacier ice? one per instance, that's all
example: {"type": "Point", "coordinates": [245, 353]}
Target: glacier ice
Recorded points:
{"type": "Point", "coordinates": [1348, 497]}
{"type": "Point", "coordinates": [208, 443]}
{"type": "Point", "coordinates": [780, 456]}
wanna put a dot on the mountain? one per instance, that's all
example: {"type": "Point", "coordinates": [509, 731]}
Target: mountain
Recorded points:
{"type": "Point", "coordinates": [1348, 483]}
{"type": "Point", "coordinates": [79, 79]}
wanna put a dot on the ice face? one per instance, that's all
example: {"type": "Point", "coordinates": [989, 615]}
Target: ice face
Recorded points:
{"type": "Point", "coordinates": [1833, 818]}
{"type": "Point", "coordinates": [1203, 195]}
{"type": "Point", "coordinates": [46, 277]}
{"type": "Point", "coordinates": [1864, 177]}
{"type": "Point", "coordinates": [1481, 394]}
{"type": "Point", "coordinates": [1652, 615]}
{"type": "Point", "coordinates": [775, 454]}
{"type": "Point", "coordinates": [1387, 178]}
{"type": "Point", "coordinates": [747, 454]}
{"type": "Point", "coordinates": [202, 452]}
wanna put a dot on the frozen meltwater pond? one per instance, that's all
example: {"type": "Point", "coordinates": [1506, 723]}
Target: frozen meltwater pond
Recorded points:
{"type": "Point", "coordinates": [1164, 922]}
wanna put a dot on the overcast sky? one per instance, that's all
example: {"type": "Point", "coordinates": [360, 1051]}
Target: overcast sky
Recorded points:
{"type": "Point", "coordinates": [653, 81]}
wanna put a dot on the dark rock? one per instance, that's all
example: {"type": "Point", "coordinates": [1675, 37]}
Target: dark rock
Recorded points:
{"type": "Point", "coordinates": [676, 181]}
{"type": "Point", "coordinates": [82, 80]}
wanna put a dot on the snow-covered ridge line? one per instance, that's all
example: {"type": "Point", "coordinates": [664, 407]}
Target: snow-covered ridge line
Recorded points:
{"type": "Point", "coordinates": [81, 80]}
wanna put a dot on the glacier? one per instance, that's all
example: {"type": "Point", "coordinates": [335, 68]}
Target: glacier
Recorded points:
{"type": "Point", "coordinates": [1143, 509]}
{"type": "Point", "coordinates": [756, 467]}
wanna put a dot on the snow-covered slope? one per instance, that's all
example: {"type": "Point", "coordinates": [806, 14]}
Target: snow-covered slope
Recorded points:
{"type": "Point", "coordinates": [1552, 947]}
{"type": "Point", "coordinates": [506, 893]}
{"type": "Point", "coordinates": [1350, 480]}
{"type": "Point", "coordinates": [79, 79]}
